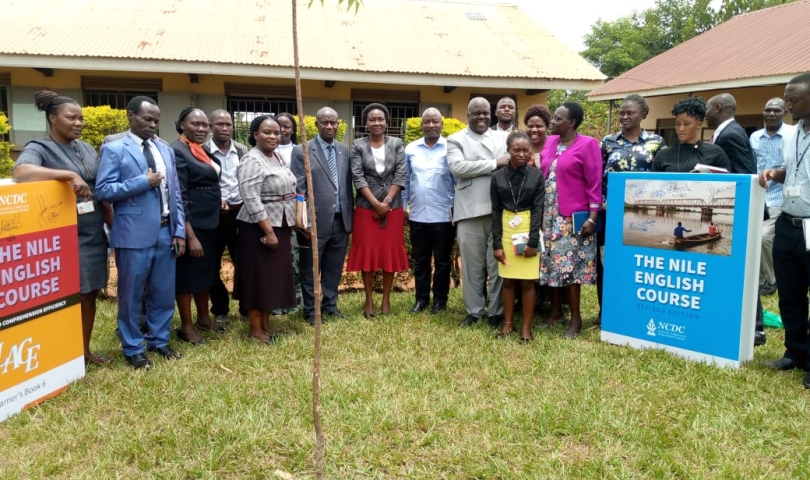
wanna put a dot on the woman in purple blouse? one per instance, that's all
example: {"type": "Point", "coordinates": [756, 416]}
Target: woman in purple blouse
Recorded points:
{"type": "Point", "coordinates": [572, 167]}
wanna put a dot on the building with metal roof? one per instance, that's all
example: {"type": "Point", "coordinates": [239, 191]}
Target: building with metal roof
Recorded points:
{"type": "Point", "coordinates": [752, 56]}
{"type": "Point", "coordinates": [238, 55]}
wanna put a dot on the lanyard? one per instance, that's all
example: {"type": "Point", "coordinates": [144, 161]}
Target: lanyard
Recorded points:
{"type": "Point", "coordinates": [520, 190]}
{"type": "Point", "coordinates": [799, 158]}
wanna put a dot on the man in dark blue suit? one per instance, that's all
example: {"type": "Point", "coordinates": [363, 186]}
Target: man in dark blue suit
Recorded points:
{"type": "Point", "coordinates": [334, 203]}
{"type": "Point", "coordinates": [732, 138]}
{"type": "Point", "coordinates": [138, 176]}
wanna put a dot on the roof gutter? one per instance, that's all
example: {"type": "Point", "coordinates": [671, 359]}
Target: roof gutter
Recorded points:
{"type": "Point", "coordinates": [268, 71]}
{"type": "Point", "coordinates": [695, 87]}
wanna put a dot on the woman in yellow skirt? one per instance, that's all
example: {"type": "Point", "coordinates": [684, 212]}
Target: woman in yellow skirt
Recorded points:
{"type": "Point", "coordinates": [517, 209]}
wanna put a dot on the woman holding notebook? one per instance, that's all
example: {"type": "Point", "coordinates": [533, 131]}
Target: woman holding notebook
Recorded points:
{"type": "Point", "coordinates": [572, 168]}
{"type": "Point", "coordinates": [517, 211]}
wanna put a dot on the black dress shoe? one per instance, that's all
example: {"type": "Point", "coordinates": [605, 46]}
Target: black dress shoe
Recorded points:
{"type": "Point", "coordinates": [336, 314]}
{"type": "Point", "coordinates": [495, 320]}
{"type": "Point", "coordinates": [469, 320]}
{"type": "Point", "coordinates": [438, 307]}
{"type": "Point", "coordinates": [139, 361]}
{"type": "Point", "coordinates": [311, 321]}
{"type": "Point", "coordinates": [419, 306]}
{"type": "Point", "coordinates": [784, 363]}
{"type": "Point", "coordinates": [759, 338]}
{"type": "Point", "coordinates": [166, 352]}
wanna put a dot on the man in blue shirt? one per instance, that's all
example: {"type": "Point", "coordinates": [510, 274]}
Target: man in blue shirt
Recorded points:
{"type": "Point", "coordinates": [679, 230]}
{"type": "Point", "coordinates": [428, 197]}
{"type": "Point", "coordinates": [767, 146]}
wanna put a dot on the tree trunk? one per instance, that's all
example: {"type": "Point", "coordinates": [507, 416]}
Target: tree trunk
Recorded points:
{"type": "Point", "coordinates": [320, 439]}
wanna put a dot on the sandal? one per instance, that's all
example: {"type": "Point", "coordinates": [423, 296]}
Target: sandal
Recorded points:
{"type": "Point", "coordinates": [96, 360]}
{"type": "Point", "coordinates": [569, 335]}
{"type": "Point", "coordinates": [214, 328]}
{"type": "Point", "coordinates": [182, 336]}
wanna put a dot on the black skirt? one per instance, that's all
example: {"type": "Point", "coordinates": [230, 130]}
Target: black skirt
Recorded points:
{"type": "Point", "coordinates": [196, 275]}
{"type": "Point", "coordinates": [263, 278]}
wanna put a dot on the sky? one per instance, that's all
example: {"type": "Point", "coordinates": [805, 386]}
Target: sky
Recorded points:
{"type": "Point", "coordinates": [571, 20]}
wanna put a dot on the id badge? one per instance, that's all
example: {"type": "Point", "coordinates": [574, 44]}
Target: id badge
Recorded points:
{"type": "Point", "coordinates": [515, 222]}
{"type": "Point", "coordinates": [793, 191]}
{"type": "Point", "coordinates": [85, 207]}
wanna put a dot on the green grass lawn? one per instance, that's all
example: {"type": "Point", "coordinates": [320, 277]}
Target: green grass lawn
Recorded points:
{"type": "Point", "coordinates": [415, 396]}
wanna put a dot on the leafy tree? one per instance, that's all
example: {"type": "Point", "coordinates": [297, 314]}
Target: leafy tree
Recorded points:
{"type": "Point", "coordinates": [616, 47]}
{"type": "Point", "coordinates": [595, 123]}
{"type": "Point", "coordinates": [730, 8]}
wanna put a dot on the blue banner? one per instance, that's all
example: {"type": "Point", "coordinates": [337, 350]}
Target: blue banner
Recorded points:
{"type": "Point", "coordinates": [682, 262]}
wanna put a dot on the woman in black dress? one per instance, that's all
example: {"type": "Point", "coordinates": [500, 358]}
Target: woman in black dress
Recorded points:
{"type": "Point", "coordinates": [690, 150]}
{"type": "Point", "coordinates": [62, 156]}
{"type": "Point", "coordinates": [198, 269]}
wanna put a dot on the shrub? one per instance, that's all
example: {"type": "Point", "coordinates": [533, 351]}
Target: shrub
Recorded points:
{"type": "Point", "coordinates": [309, 121]}
{"type": "Point", "coordinates": [6, 163]}
{"type": "Point", "coordinates": [312, 130]}
{"type": "Point", "coordinates": [413, 128]}
{"type": "Point", "coordinates": [102, 121]}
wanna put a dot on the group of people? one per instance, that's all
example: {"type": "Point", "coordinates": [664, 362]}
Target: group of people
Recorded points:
{"type": "Point", "coordinates": [527, 208]}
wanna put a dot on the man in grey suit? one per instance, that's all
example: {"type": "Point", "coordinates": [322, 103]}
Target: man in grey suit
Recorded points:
{"type": "Point", "coordinates": [334, 204]}
{"type": "Point", "coordinates": [473, 154]}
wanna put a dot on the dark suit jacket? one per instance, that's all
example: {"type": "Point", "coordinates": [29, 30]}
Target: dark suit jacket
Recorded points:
{"type": "Point", "coordinates": [323, 186]}
{"type": "Point", "coordinates": [734, 141]}
{"type": "Point", "coordinates": [364, 170]}
{"type": "Point", "coordinates": [199, 185]}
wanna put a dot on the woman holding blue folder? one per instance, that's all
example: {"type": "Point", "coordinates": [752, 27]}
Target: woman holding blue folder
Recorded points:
{"type": "Point", "coordinates": [572, 168]}
{"type": "Point", "coordinates": [517, 212]}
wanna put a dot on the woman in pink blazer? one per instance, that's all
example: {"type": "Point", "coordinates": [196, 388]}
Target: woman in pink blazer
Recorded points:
{"type": "Point", "coordinates": [572, 167]}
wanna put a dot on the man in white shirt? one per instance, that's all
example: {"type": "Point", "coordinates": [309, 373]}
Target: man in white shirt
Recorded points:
{"type": "Point", "coordinates": [505, 111]}
{"type": "Point", "coordinates": [228, 152]}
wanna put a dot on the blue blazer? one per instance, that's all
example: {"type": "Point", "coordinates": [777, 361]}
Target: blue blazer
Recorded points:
{"type": "Point", "coordinates": [122, 181]}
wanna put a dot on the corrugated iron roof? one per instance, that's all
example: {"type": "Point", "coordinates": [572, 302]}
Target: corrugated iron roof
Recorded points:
{"type": "Point", "coordinates": [399, 36]}
{"type": "Point", "coordinates": [749, 49]}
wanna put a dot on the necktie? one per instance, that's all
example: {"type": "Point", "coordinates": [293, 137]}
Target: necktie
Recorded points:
{"type": "Point", "coordinates": [330, 159]}
{"type": "Point", "coordinates": [147, 153]}
{"type": "Point", "coordinates": [150, 162]}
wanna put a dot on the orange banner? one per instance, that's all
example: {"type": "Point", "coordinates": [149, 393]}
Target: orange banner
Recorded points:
{"type": "Point", "coordinates": [40, 316]}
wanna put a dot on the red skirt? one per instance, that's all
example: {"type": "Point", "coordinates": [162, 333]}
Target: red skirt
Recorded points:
{"type": "Point", "coordinates": [378, 248]}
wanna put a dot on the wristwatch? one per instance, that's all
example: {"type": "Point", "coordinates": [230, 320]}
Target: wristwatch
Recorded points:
{"type": "Point", "coordinates": [388, 200]}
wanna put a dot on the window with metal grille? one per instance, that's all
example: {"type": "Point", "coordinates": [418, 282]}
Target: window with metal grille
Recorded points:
{"type": "Point", "coordinates": [118, 100]}
{"type": "Point", "coordinates": [245, 109]}
{"type": "Point", "coordinates": [399, 113]}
